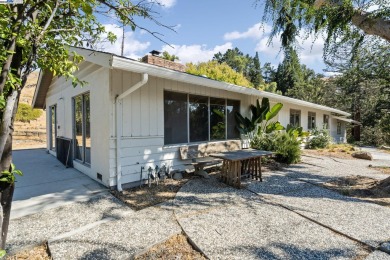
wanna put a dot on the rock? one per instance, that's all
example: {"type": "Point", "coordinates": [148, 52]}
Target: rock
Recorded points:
{"type": "Point", "coordinates": [362, 155]}
{"type": "Point", "coordinates": [385, 147]}
{"type": "Point", "coordinates": [385, 247]}
{"type": "Point", "coordinates": [177, 176]}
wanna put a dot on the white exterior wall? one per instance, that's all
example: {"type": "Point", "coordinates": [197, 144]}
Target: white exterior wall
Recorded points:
{"type": "Point", "coordinates": [143, 123]}
{"type": "Point", "coordinates": [61, 93]}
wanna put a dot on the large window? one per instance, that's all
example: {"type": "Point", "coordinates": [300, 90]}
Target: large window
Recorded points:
{"type": "Point", "coordinates": [82, 128]}
{"type": "Point", "coordinates": [295, 117]}
{"type": "Point", "coordinates": [53, 126]}
{"type": "Point", "coordinates": [311, 120]}
{"type": "Point", "coordinates": [194, 118]}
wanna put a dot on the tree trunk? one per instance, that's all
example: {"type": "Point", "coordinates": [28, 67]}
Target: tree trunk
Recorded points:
{"type": "Point", "coordinates": [372, 26]}
{"type": "Point", "coordinates": [6, 194]}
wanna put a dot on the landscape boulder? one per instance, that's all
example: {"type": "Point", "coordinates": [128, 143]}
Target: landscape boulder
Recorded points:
{"type": "Point", "coordinates": [362, 155]}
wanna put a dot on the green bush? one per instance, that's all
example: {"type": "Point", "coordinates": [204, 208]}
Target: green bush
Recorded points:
{"type": "Point", "coordinates": [320, 139]}
{"type": "Point", "coordinates": [286, 146]}
{"type": "Point", "coordinates": [26, 113]}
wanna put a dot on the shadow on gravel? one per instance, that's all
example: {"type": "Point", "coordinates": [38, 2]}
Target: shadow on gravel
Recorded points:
{"type": "Point", "coordinates": [289, 251]}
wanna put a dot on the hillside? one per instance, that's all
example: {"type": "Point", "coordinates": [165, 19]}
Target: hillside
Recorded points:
{"type": "Point", "coordinates": [32, 134]}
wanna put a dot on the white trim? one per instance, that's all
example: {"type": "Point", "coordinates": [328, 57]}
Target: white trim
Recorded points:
{"type": "Point", "coordinates": [119, 125]}
{"type": "Point", "coordinates": [347, 120]}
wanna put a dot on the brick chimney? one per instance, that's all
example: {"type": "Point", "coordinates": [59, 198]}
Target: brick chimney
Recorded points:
{"type": "Point", "coordinates": [158, 61]}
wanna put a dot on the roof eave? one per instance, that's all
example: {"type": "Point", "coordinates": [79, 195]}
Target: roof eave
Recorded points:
{"type": "Point", "coordinates": [135, 66]}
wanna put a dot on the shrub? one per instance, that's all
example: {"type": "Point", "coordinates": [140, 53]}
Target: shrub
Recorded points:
{"type": "Point", "coordinates": [320, 139]}
{"type": "Point", "coordinates": [286, 146]}
{"type": "Point", "coordinates": [25, 113]}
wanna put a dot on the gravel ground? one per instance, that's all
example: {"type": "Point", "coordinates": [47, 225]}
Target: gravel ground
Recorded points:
{"type": "Point", "coordinates": [323, 169]}
{"type": "Point", "coordinates": [277, 183]}
{"type": "Point", "coordinates": [230, 229]}
{"type": "Point", "coordinates": [361, 220]}
{"type": "Point", "coordinates": [118, 239]}
{"type": "Point", "coordinates": [35, 229]}
{"type": "Point", "coordinates": [378, 255]}
{"type": "Point", "coordinates": [201, 195]}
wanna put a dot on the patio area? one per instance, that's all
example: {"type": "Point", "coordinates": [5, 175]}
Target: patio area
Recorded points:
{"type": "Point", "coordinates": [287, 216]}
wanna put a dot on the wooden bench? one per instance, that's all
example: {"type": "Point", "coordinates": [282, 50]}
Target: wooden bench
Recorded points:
{"type": "Point", "coordinates": [199, 154]}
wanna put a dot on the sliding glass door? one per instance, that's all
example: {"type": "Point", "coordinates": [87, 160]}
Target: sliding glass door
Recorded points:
{"type": "Point", "coordinates": [82, 128]}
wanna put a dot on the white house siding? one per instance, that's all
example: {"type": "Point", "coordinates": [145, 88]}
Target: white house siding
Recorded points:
{"type": "Point", "coordinates": [143, 123]}
{"type": "Point", "coordinates": [61, 93]}
{"type": "Point", "coordinates": [338, 138]}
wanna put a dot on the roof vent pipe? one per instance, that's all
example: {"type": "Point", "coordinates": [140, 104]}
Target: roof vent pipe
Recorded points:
{"type": "Point", "coordinates": [119, 123]}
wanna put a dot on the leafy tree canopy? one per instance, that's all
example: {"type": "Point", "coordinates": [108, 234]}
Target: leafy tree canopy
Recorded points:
{"type": "Point", "coordinates": [338, 21]}
{"type": "Point", "coordinates": [218, 71]}
{"type": "Point", "coordinates": [249, 66]}
{"type": "Point", "coordinates": [167, 56]}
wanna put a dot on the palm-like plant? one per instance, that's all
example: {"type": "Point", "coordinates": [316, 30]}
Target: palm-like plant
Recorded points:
{"type": "Point", "coordinates": [260, 119]}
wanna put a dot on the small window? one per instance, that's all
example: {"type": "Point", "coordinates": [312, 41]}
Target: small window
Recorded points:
{"type": "Point", "coordinates": [311, 120]}
{"type": "Point", "coordinates": [295, 117]}
{"type": "Point", "coordinates": [338, 127]}
{"type": "Point", "coordinates": [326, 122]}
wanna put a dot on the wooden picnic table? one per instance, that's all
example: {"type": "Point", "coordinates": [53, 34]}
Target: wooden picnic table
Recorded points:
{"type": "Point", "coordinates": [241, 163]}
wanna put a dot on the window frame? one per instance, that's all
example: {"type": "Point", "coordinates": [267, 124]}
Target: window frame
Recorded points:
{"type": "Point", "coordinates": [325, 125]}
{"type": "Point", "coordinates": [208, 118]}
{"type": "Point", "coordinates": [338, 127]}
{"type": "Point", "coordinates": [51, 146]}
{"type": "Point", "coordinates": [84, 130]}
{"type": "Point", "coordinates": [296, 112]}
{"type": "Point", "coordinates": [310, 116]}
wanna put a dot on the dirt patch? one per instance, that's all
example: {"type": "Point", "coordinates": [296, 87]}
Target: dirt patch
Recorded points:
{"type": "Point", "coordinates": [37, 253]}
{"type": "Point", "coordinates": [142, 197]}
{"type": "Point", "coordinates": [177, 247]}
{"type": "Point", "coordinates": [341, 151]}
{"type": "Point", "coordinates": [364, 188]}
{"type": "Point", "coordinates": [382, 169]}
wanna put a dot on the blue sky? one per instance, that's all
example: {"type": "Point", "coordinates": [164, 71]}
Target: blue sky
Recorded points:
{"type": "Point", "coordinates": [205, 27]}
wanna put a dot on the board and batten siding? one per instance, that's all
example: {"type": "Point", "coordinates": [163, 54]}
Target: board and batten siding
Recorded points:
{"type": "Point", "coordinates": [143, 123]}
{"type": "Point", "coordinates": [61, 93]}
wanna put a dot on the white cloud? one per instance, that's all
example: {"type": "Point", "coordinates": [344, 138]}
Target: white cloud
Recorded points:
{"type": "Point", "coordinates": [132, 47]}
{"type": "Point", "coordinates": [165, 3]}
{"type": "Point", "coordinates": [196, 53]}
{"type": "Point", "coordinates": [254, 32]}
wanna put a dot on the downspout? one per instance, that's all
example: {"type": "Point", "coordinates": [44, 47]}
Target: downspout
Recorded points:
{"type": "Point", "coordinates": [118, 120]}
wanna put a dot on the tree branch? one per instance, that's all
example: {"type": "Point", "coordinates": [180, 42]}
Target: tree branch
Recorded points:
{"type": "Point", "coordinates": [372, 25]}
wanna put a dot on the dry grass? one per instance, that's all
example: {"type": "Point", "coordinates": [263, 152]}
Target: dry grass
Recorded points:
{"type": "Point", "coordinates": [363, 188]}
{"type": "Point", "coordinates": [142, 197]}
{"type": "Point", "coordinates": [177, 247]}
{"type": "Point", "coordinates": [382, 169]}
{"type": "Point", "coordinates": [37, 253]}
{"type": "Point", "coordinates": [342, 151]}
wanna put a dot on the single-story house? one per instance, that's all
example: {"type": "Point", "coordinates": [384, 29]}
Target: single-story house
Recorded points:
{"type": "Point", "coordinates": [134, 114]}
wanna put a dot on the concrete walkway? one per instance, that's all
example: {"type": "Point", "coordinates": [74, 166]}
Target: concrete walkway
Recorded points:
{"type": "Point", "coordinates": [47, 183]}
{"type": "Point", "coordinates": [287, 216]}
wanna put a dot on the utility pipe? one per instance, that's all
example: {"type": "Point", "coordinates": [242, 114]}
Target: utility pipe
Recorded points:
{"type": "Point", "coordinates": [118, 120]}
